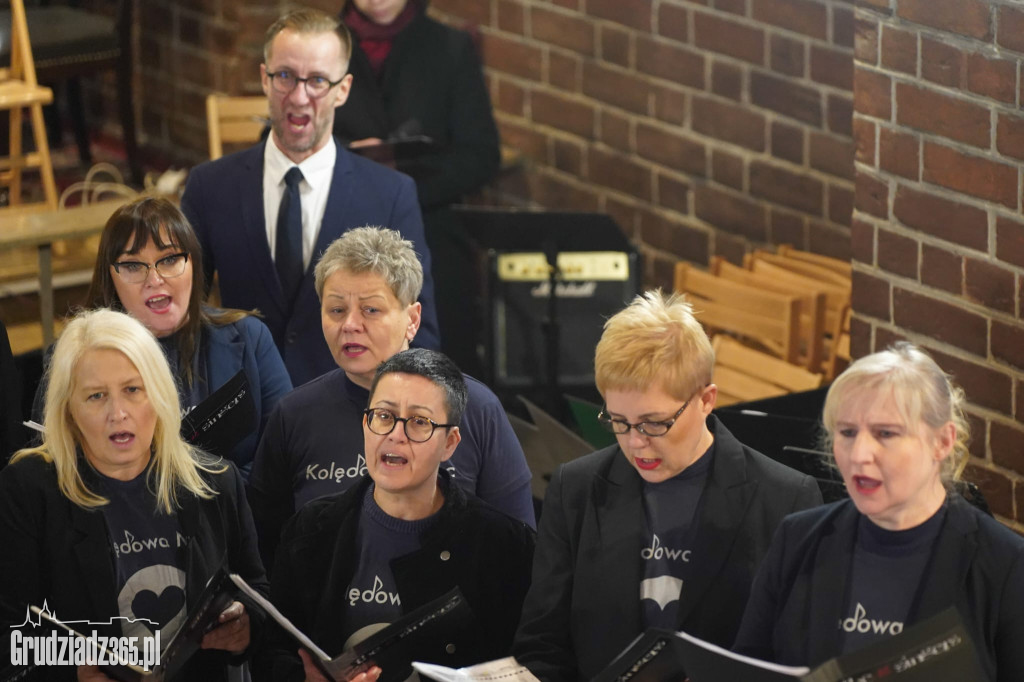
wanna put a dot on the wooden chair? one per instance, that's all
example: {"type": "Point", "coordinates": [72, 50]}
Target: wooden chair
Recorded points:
{"type": "Point", "coordinates": [812, 306]}
{"type": "Point", "coordinates": [839, 355]}
{"type": "Point", "coordinates": [744, 374]}
{"type": "Point", "coordinates": [769, 319]}
{"type": "Point", "coordinates": [19, 90]}
{"type": "Point", "coordinates": [841, 267]}
{"type": "Point", "coordinates": [800, 267]}
{"type": "Point", "coordinates": [233, 120]}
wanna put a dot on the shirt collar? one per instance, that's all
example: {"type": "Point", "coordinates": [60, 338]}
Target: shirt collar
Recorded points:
{"type": "Point", "coordinates": [276, 164]}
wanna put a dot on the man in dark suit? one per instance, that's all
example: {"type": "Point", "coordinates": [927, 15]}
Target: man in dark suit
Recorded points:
{"type": "Point", "coordinates": [264, 214]}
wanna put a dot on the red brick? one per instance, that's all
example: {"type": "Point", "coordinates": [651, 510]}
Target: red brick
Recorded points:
{"type": "Point", "coordinates": [832, 155]}
{"type": "Point", "coordinates": [564, 71]}
{"type": "Point", "coordinates": [619, 173]}
{"type": "Point", "coordinates": [840, 204]}
{"type": "Point", "coordinates": [615, 46]}
{"type": "Point", "coordinates": [942, 269]}
{"type": "Point", "coordinates": [860, 337]}
{"type": "Point", "coordinates": [938, 113]}
{"type": "Point", "coordinates": [727, 169]}
{"type": "Point", "coordinates": [941, 321]}
{"type": "Point", "coordinates": [878, 6]}
{"type": "Point", "coordinates": [828, 240]}
{"type": "Point", "coordinates": [972, 175]}
{"type": "Point", "coordinates": [994, 78]}
{"type": "Point", "coordinates": [563, 113]}
{"type": "Point", "coordinates": [900, 153]}
{"type": "Point", "coordinates": [616, 130]}
{"type": "Point", "coordinates": [730, 247]}
{"type": "Point", "coordinates": [840, 115]}
{"type": "Point", "coordinates": [1007, 443]}
{"type": "Point", "coordinates": [862, 242]}
{"type": "Point", "coordinates": [899, 50]}
{"type": "Point", "coordinates": [787, 55]}
{"type": "Point", "coordinates": [617, 88]}
{"type": "Point", "coordinates": [511, 17]}
{"type": "Point", "coordinates": [525, 139]}
{"type": "Point", "coordinates": [511, 57]}
{"type": "Point", "coordinates": [989, 285]}
{"type": "Point", "coordinates": [842, 26]}
{"type": "Point", "coordinates": [942, 218]}
{"type": "Point", "coordinates": [1019, 491]}
{"type": "Point", "coordinates": [785, 187]}
{"type": "Point", "coordinates": [624, 213]}
{"type": "Point", "coordinates": [560, 194]}
{"type": "Point", "coordinates": [674, 22]}
{"type": "Point", "coordinates": [674, 236]}
{"type": "Point", "coordinates": [633, 13]}
{"type": "Point", "coordinates": [971, 18]}
{"type": "Point", "coordinates": [1020, 401]}
{"type": "Point", "coordinates": [884, 338]}
{"type": "Point", "coordinates": [997, 488]}
{"type": "Point", "coordinates": [787, 228]}
{"type": "Point", "coordinates": [832, 67]}
{"type": "Point", "coordinates": [726, 80]}
{"type": "Point", "coordinates": [786, 97]}
{"type": "Point", "coordinates": [1011, 28]}
{"type": "Point", "coordinates": [800, 16]}
{"type": "Point", "coordinates": [978, 428]}
{"type": "Point", "coordinates": [872, 94]}
{"type": "Point", "coordinates": [1008, 345]}
{"type": "Point", "coordinates": [567, 156]}
{"type": "Point", "coordinates": [732, 212]}
{"type": "Point", "coordinates": [732, 6]}
{"type": "Point", "coordinates": [871, 296]}
{"type": "Point", "coordinates": [872, 195]}
{"type": "Point", "coordinates": [865, 41]}
{"type": "Point", "coordinates": [673, 194]}
{"type": "Point", "coordinates": [897, 254]}
{"type": "Point", "coordinates": [470, 10]}
{"type": "Point", "coordinates": [788, 142]}
{"type": "Point", "coordinates": [667, 147]}
{"type": "Point", "coordinates": [670, 104]}
{"type": "Point", "coordinates": [1010, 241]}
{"type": "Point", "coordinates": [511, 98]}
{"type": "Point", "coordinates": [728, 37]}
{"type": "Point", "coordinates": [864, 140]}
{"type": "Point", "coordinates": [731, 123]}
{"type": "Point", "coordinates": [562, 29]}
{"type": "Point", "coordinates": [1010, 136]}
{"type": "Point", "coordinates": [941, 63]}
{"type": "Point", "coordinates": [663, 60]}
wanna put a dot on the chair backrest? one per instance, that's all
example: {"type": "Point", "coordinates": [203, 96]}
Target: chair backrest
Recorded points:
{"type": "Point", "coordinates": [744, 374]}
{"type": "Point", "coordinates": [837, 296]}
{"type": "Point", "coordinates": [839, 354]}
{"type": "Point", "coordinates": [22, 67]}
{"type": "Point", "coordinates": [812, 305]}
{"type": "Point", "coordinates": [771, 319]}
{"type": "Point", "coordinates": [233, 120]}
{"type": "Point", "coordinates": [817, 272]}
{"type": "Point", "coordinates": [841, 267]}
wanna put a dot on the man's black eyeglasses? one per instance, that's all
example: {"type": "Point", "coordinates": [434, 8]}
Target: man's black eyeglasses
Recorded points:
{"type": "Point", "coordinates": [284, 81]}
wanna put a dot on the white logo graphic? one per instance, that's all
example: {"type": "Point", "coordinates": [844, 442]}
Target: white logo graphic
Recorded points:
{"type": "Point", "coordinates": [315, 472]}
{"type": "Point", "coordinates": [664, 589]}
{"type": "Point", "coordinates": [656, 551]}
{"type": "Point", "coordinates": [155, 595]}
{"type": "Point", "coordinates": [565, 289]}
{"type": "Point", "coordinates": [70, 647]}
{"type": "Point", "coordinates": [862, 624]}
{"type": "Point", "coordinates": [375, 595]}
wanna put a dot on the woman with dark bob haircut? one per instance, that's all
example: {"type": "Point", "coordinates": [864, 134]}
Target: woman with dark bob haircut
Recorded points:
{"type": "Point", "coordinates": [150, 265]}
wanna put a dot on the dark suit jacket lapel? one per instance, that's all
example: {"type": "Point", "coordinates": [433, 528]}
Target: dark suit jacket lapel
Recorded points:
{"type": "Point", "coordinates": [226, 352]}
{"type": "Point", "coordinates": [338, 201]}
{"type": "Point", "coordinates": [249, 190]}
{"type": "Point", "coordinates": [96, 565]}
{"type": "Point", "coordinates": [199, 565]}
{"type": "Point", "coordinates": [830, 583]}
{"type": "Point", "coordinates": [952, 556]}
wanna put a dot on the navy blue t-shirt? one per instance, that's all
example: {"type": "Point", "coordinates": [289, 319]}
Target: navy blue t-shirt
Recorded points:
{"type": "Point", "coordinates": [670, 509]}
{"type": "Point", "coordinates": [149, 558]}
{"type": "Point", "coordinates": [884, 579]}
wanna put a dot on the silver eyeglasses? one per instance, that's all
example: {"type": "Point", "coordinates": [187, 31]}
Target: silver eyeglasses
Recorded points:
{"type": "Point", "coordinates": [136, 272]}
{"type": "Point", "coordinates": [417, 429]}
{"type": "Point", "coordinates": [284, 81]}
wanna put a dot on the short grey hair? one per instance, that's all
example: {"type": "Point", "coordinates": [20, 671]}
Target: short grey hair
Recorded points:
{"type": "Point", "coordinates": [377, 250]}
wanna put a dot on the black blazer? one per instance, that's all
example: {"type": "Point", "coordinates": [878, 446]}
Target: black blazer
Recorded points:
{"type": "Point", "coordinates": [223, 200]}
{"type": "Point", "coordinates": [584, 606]}
{"type": "Point", "coordinates": [431, 83]}
{"type": "Point", "coordinates": [53, 550]}
{"type": "Point", "coordinates": [801, 591]}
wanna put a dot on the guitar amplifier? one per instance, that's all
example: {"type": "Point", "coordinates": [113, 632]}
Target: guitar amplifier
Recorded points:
{"type": "Point", "coordinates": [592, 286]}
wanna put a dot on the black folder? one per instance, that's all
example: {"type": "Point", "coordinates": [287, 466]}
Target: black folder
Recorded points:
{"type": "Point", "coordinates": [220, 422]}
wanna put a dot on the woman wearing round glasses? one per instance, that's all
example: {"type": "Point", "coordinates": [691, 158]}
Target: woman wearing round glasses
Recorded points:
{"type": "Point", "coordinates": [667, 527]}
{"type": "Point", "coordinates": [150, 266]}
{"type": "Point", "coordinates": [348, 564]}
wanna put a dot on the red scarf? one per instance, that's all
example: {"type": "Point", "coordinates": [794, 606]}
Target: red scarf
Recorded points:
{"type": "Point", "coordinates": [374, 39]}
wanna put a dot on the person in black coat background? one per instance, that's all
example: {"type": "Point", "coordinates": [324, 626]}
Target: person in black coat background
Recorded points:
{"type": "Point", "coordinates": [415, 76]}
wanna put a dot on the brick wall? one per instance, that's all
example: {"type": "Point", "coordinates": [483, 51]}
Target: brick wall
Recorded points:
{"type": "Point", "coordinates": [704, 127]}
{"type": "Point", "coordinates": [938, 241]}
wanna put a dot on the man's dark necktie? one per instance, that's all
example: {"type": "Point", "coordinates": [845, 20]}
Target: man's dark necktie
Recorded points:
{"type": "Point", "coordinates": [288, 250]}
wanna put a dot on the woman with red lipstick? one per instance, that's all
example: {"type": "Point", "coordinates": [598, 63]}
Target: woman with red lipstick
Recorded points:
{"type": "Point", "coordinates": [150, 266]}
{"type": "Point", "coordinates": [904, 546]}
{"type": "Point", "coordinates": [665, 528]}
{"type": "Point", "coordinates": [114, 519]}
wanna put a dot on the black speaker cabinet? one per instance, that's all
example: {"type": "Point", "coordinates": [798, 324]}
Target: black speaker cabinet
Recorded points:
{"type": "Point", "coordinates": [592, 287]}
